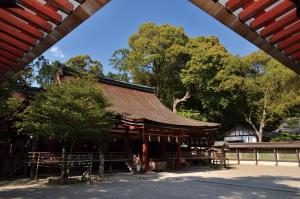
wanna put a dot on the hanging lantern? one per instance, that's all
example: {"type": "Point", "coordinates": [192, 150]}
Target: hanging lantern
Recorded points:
{"type": "Point", "coordinates": [158, 138]}
{"type": "Point", "coordinates": [149, 138]}
{"type": "Point", "coordinates": [176, 139]}
{"type": "Point", "coordinates": [169, 140]}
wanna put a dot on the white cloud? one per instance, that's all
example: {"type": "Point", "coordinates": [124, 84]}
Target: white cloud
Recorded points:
{"type": "Point", "coordinates": [57, 52]}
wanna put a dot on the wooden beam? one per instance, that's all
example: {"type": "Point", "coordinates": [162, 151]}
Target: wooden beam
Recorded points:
{"type": "Point", "coordinates": [11, 49]}
{"type": "Point", "coordinates": [12, 41]}
{"type": "Point", "coordinates": [286, 33]}
{"type": "Point", "coordinates": [272, 14]}
{"type": "Point", "coordinates": [63, 5]}
{"type": "Point", "coordinates": [233, 5]}
{"type": "Point", "coordinates": [296, 56]}
{"type": "Point", "coordinates": [254, 9]}
{"type": "Point", "coordinates": [279, 24]}
{"type": "Point", "coordinates": [294, 48]}
{"type": "Point", "coordinates": [19, 24]}
{"type": "Point", "coordinates": [31, 18]}
{"type": "Point", "coordinates": [79, 15]}
{"type": "Point", "coordinates": [6, 61]}
{"type": "Point", "coordinates": [17, 34]}
{"type": "Point", "coordinates": [219, 12]}
{"type": "Point", "coordinates": [8, 55]}
{"type": "Point", "coordinates": [42, 10]}
{"type": "Point", "coordinates": [289, 42]}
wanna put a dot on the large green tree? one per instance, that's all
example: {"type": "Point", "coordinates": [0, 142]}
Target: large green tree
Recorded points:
{"type": "Point", "coordinates": [86, 64]}
{"type": "Point", "coordinates": [71, 111]}
{"type": "Point", "coordinates": [155, 58]}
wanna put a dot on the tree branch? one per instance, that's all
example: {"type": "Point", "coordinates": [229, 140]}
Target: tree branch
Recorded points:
{"type": "Point", "coordinates": [176, 101]}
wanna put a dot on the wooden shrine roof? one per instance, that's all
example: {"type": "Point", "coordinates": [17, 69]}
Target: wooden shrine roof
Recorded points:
{"type": "Point", "coordinates": [271, 25]}
{"type": "Point", "coordinates": [138, 105]}
{"type": "Point", "coordinates": [32, 26]}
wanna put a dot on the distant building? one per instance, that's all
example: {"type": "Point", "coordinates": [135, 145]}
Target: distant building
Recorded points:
{"type": "Point", "coordinates": [240, 134]}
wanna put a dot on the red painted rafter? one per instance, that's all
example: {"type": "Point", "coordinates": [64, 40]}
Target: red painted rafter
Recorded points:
{"type": "Point", "coordinates": [279, 24]}
{"type": "Point", "coordinates": [294, 48]}
{"type": "Point", "coordinates": [8, 55]}
{"type": "Point", "coordinates": [63, 5]}
{"type": "Point", "coordinates": [17, 34]}
{"type": "Point", "coordinates": [296, 56]}
{"type": "Point", "coordinates": [42, 10]}
{"type": "Point", "coordinates": [254, 9]}
{"type": "Point", "coordinates": [22, 26]}
{"type": "Point", "coordinates": [280, 36]}
{"type": "Point", "coordinates": [272, 14]}
{"type": "Point", "coordinates": [12, 41]}
{"type": "Point", "coordinates": [11, 49]}
{"type": "Point", "coordinates": [31, 18]}
{"type": "Point", "coordinates": [289, 42]}
{"type": "Point", "coordinates": [233, 5]}
{"type": "Point", "coordinates": [2, 67]}
{"type": "Point", "coordinates": [6, 61]}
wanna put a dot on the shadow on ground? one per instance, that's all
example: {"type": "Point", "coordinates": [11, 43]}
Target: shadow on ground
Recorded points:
{"type": "Point", "coordinates": [161, 186]}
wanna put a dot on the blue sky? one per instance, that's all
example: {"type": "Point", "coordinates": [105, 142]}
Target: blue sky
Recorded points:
{"type": "Point", "coordinates": [109, 28]}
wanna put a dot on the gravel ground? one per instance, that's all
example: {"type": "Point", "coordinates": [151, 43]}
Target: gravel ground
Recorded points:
{"type": "Point", "coordinates": [243, 182]}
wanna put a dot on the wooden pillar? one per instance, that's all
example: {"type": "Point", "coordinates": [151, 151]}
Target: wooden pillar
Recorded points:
{"type": "Point", "coordinates": [127, 145]}
{"type": "Point", "coordinates": [256, 156]}
{"type": "Point", "coordinates": [178, 152]}
{"type": "Point", "coordinates": [163, 146]}
{"type": "Point", "coordinates": [298, 156]}
{"type": "Point", "coordinates": [238, 156]}
{"type": "Point", "coordinates": [276, 157]}
{"type": "Point", "coordinates": [145, 151]}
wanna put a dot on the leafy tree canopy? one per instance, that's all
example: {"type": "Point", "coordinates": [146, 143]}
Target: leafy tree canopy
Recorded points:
{"type": "Point", "coordinates": [74, 110]}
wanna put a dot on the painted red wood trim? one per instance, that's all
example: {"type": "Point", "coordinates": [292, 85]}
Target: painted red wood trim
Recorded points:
{"type": "Point", "coordinates": [285, 33]}
{"type": "Point", "coordinates": [272, 14]}
{"type": "Point", "coordinates": [279, 24]}
{"type": "Point", "coordinates": [31, 18]}
{"type": "Point", "coordinates": [63, 5]}
{"type": "Point", "coordinates": [254, 9]}
{"type": "Point", "coordinates": [9, 55]}
{"type": "Point", "coordinates": [11, 49]}
{"type": "Point", "coordinates": [12, 41]}
{"type": "Point", "coordinates": [22, 26]}
{"type": "Point", "coordinates": [42, 10]}
{"type": "Point", "coordinates": [289, 42]}
{"type": "Point", "coordinates": [17, 34]}
{"type": "Point", "coordinates": [296, 56]}
{"type": "Point", "coordinates": [233, 5]}
{"type": "Point", "coordinates": [6, 61]}
{"type": "Point", "coordinates": [294, 48]}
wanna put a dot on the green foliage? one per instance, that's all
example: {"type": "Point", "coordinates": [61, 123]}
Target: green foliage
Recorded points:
{"type": "Point", "coordinates": [286, 137]}
{"type": "Point", "coordinates": [74, 110]}
{"type": "Point", "coordinates": [46, 71]}
{"type": "Point", "coordinates": [119, 63]}
{"type": "Point", "coordinates": [86, 64]}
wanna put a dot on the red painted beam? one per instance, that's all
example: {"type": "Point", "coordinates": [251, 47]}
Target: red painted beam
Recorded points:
{"type": "Point", "coordinates": [279, 24]}
{"type": "Point", "coordinates": [296, 56]}
{"type": "Point", "coordinates": [42, 10]}
{"type": "Point", "coordinates": [6, 61]}
{"type": "Point", "coordinates": [12, 41]}
{"type": "Point", "coordinates": [272, 14]}
{"type": "Point", "coordinates": [233, 5]}
{"type": "Point", "coordinates": [17, 34]}
{"type": "Point", "coordinates": [254, 9]}
{"type": "Point", "coordinates": [292, 49]}
{"type": "Point", "coordinates": [31, 18]}
{"type": "Point", "coordinates": [285, 33]}
{"type": "Point", "coordinates": [3, 67]}
{"type": "Point", "coordinates": [19, 24]}
{"type": "Point", "coordinates": [9, 55]}
{"type": "Point", "coordinates": [63, 5]}
{"type": "Point", "coordinates": [289, 42]}
{"type": "Point", "coordinates": [11, 49]}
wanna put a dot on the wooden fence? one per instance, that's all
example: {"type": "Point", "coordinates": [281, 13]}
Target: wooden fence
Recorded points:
{"type": "Point", "coordinates": [280, 153]}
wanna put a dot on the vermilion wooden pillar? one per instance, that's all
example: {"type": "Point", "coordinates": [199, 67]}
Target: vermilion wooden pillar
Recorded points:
{"type": "Point", "coordinates": [145, 157]}
{"type": "Point", "coordinates": [178, 152]}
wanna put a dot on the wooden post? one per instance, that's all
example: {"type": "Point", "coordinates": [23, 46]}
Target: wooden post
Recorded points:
{"type": "Point", "coordinates": [298, 156]}
{"type": "Point", "coordinates": [276, 157]}
{"type": "Point", "coordinates": [145, 157]}
{"type": "Point", "coordinates": [127, 141]}
{"type": "Point", "coordinates": [178, 152]}
{"type": "Point", "coordinates": [238, 156]}
{"type": "Point", "coordinates": [101, 163]}
{"type": "Point", "coordinates": [256, 156]}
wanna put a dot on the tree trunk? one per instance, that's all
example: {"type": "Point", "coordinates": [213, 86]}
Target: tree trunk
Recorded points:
{"type": "Point", "coordinates": [176, 101]}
